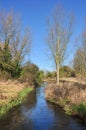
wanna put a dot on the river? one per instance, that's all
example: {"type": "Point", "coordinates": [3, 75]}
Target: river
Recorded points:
{"type": "Point", "coordinates": [37, 114]}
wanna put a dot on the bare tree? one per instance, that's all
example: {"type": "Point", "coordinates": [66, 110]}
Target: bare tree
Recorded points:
{"type": "Point", "coordinates": [80, 56]}
{"type": "Point", "coordinates": [18, 38]}
{"type": "Point", "coordinates": [59, 33]}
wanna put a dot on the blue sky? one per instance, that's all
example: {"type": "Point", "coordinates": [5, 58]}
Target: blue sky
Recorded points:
{"type": "Point", "coordinates": [34, 14]}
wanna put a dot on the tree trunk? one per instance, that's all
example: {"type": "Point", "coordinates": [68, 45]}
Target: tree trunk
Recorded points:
{"type": "Point", "coordinates": [57, 78]}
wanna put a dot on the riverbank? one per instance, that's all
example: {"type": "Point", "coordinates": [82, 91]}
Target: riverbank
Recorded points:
{"type": "Point", "coordinates": [70, 96]}
{"type": "Point", "coordinates": [12, 93]}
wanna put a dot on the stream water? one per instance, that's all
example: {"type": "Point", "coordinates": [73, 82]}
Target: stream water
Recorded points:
{"type": "Point", "coordinates": [37, 114]}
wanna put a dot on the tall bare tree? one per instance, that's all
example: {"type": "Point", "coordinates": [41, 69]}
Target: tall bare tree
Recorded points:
{"type": "Point", "coordinates": [59, 33]}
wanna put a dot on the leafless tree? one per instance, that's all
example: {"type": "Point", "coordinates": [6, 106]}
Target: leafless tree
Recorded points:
{"type": "Point", "coordinates": [18, 38]}
{"type": "Point", "coordinates": [59, 33]}
{"type": "Point", "coordinates": [80, 56]}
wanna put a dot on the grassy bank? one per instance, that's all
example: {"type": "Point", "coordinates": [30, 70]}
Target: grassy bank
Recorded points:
{"type": "Point", "coordinates": [12, 96]}
{"type": "Point", "coordinates": [14, 102]}
{"type": "Point", "coordinates": [70, 96]}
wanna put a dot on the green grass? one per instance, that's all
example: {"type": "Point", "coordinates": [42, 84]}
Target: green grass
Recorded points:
{"type": "Point", "coordinates": [14, 102]}
{"type": "Point", "coordinates": [71, 109]}
{"type": "Point", "coordinates": [52, 100]}
{"type": "Point", "coordinates": [79, 109]}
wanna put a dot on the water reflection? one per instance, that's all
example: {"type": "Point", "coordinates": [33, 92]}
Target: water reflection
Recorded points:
{"type": "Point", "coordinates": [15, 118]}
{"type": "Point", "coordinates": [37, 114]}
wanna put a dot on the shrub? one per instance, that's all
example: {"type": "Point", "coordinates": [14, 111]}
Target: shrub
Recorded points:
{"type": "Point", "coordinates": [66, 71]}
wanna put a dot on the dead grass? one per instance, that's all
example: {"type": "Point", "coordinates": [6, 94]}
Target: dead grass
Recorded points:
{"type": "Point", "coordinates": [72, 92]}
{"type": "Point", "coordinates": [75, 80]}
{"type": "Point", "coordinates": [9, 90]}
{"type": "Point", "coordinates": [70, 96]}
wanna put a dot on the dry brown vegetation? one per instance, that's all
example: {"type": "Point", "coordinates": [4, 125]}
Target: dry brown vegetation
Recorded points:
{"type": "Point", "coordinates": [72, 92]}
{"type": "Point", "coordinates": [79, 80]}
{"type": "Point", "coordinates": [10, 90]}
{"type": "Point", "coordinates": [69, 95]}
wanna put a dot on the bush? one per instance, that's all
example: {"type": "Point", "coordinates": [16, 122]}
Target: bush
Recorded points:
{"type": "Point", "coordinates": [66, 71]}
{"type": "Point", "coordinates": [30, 73]}
{"type": "Point", "coordinates": [5, 75]}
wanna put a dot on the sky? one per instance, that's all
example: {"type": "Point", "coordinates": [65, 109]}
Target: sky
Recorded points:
{"type": "Point", "coordinates": [34, 14]}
